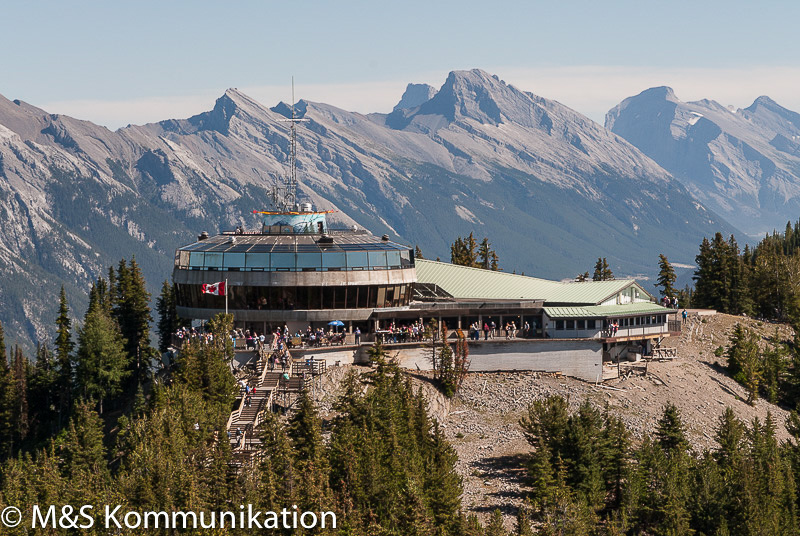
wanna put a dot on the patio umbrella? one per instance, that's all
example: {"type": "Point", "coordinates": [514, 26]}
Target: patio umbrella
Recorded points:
{"type": "Point", "coordinates": [337, 324]}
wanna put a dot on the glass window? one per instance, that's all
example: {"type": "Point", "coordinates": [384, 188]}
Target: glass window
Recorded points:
{"type": "Point", "coordinates": [377, 259]}
{"type": "Point", "coordinates": [339, 297]}
{"type": "Point", "coordinates": [309, 260]}
{"type": "Point", "coordinates": [315, 298]}
{"type": "Point", "coordinates": [234, 260]}
{"type": "Point", "coordinates": [405, 259]}
{"type": "Point", "coordinates": [213, 259]}
{"type": "Point", "coordinates": [381, 297]}
{"type": "Point", "coordinates": [257, 260]}
{"type": "Point", "coordinates": [559, 325]}
{"type": "Point", "coordinates": [357, 260]}
{"type": "Point", "coordinates": [197, 258]}
{"type": "Point", "coordinates": [393, 259]}
{"type": "Point", "coordinates": [333, 259]}
{"type": "Point", "coordinates": [581, 324]}
{"type": "Point", "coordinates": [363, 296]}
{"type": "Point", "coordinates": [282, 261]}
{"type": "Point", "coordinates": [352, 294]}
{"type": "Point", "coordinates": [570, 324]}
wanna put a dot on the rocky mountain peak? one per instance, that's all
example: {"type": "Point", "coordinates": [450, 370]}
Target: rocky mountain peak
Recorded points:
{"type": "Point", "coordinates": [285, 109]}
{"type": "Point", "coordinates": [415, 95]}
{"type": "Point", "coordinates": [636, 113]}
{"type": "Point", "coordinates": [474, 94]}
{"type": "Point", "coordinates": [764, 101]}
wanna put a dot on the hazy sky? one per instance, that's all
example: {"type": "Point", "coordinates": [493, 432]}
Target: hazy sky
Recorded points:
{"type": "Point", "coordinates": [145, 61]}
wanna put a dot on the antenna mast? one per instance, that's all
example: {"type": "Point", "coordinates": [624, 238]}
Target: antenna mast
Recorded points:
{"type": "Point", "coordinates": [285, 198]}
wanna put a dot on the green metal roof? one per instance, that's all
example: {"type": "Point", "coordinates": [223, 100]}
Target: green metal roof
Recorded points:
{"type": "Point", "coordinates": [605, 311]}
{"type": "Point", "coordinates": [463, 282]}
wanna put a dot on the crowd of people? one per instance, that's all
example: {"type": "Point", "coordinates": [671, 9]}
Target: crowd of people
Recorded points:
{"type": "Point", "coordinates": [184, 334]}
{"type": "Point", "coordinates": [490, 331]}
{"type": "Point", "coordinates": [670, 302]}
{"type": "Point", "coordinates": [414, 332]}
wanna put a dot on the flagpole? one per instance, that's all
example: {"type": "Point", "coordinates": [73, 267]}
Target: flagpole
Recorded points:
{"type": "Point", "coordinates": [226, 296]}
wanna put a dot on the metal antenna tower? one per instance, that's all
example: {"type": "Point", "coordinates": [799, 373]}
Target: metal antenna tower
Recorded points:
{"type": "Point", "coordinates": [285, 198]}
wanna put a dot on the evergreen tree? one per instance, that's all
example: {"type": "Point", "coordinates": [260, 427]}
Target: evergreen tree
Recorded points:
{"type": "Point", "coordinates": [602, 272]}
{"type": "Point", "coordinates": [666, 277]}
{"type": "Point", "coordinates": [64, 348]}
{"type": "Point", "coordinates": [418, 253]}
{"type": "Point", "coordinates": [774, 368]}
{"type": "Point", "coordinates": [582, 278]}
{"type": "Point", "coordinates": [485, 254]}
{"type": "Point", "coordinates": [43, 389]}
{"type": "Point", "coordinates": [522, 526]}
{"type": "Point", "coordinates": [467, 252]}
{"type": "Point", "coordinates": [495, 264]}
{"type": "Point", "coordinates": [131, 308]}
{"type": "Point", "coordinates": [102, 362]}
{"type": "Point", "coordinates": [495, 525]}
{"type": "Point", "coordinates": [168, 320]}
{"type": "Point", "coordinates": [305, 433]}
{"type": "Point", "coordinates": [669, 431]}
{"type": "Point", "coordinates": [21, 415]}
{"type": "Point", "coordinates": [442, 482]}
{"type": "Point", "coordinates": [7, 402]}
{"type": "Point", "coordinates": [744, 360]}
{"type": "Point", "coordinates": [83, 448]}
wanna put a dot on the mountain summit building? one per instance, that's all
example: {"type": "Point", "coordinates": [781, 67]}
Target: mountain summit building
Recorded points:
{"type": "Point", "coordinates": [297, 272]}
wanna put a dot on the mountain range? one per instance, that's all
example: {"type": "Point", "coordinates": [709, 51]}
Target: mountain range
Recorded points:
{"type": "Point", "coordinates": [742, 163]}
{"type": "Point", "coordinates": [550, 188]}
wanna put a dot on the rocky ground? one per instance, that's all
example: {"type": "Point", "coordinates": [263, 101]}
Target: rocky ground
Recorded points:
{"type": "Point", "coordinates": [482, 422]}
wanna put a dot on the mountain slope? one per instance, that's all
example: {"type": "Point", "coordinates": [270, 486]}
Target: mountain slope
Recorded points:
{"type": "Point", "coordinates": [744, 164]}
{"type": "Point", "coordinates": [550, 188]}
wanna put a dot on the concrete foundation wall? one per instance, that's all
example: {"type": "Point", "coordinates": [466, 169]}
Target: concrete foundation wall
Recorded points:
{"type": "Point", "coordinates": [577, 358]}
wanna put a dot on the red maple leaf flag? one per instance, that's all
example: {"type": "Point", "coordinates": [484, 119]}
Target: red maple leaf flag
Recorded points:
{"type": "Point", "coordinates": [217, 289]}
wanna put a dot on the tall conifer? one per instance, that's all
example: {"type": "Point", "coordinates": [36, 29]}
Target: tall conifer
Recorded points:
{"type": "Point", "coordinates": [64, 359]}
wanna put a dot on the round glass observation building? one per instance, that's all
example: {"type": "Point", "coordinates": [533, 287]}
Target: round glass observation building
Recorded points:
{"type": "Point", "coordinates": [294, 271]}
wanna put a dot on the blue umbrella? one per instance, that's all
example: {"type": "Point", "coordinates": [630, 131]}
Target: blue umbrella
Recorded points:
{"type": "Point", "coordinates": [336, 323]}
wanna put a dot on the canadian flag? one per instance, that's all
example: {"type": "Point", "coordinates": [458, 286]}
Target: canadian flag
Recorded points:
{"type": "Point", "coordinates": [217, 289]}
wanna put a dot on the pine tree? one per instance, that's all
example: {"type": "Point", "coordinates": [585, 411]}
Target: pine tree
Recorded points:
{"type": "Point", "coordinates": [495, 264]}
{"type": "Point", "coordinates": [602, 272]}
{"type": "Point", "coordinates": [666, 277]}
{"type": "Point", "coordinates": [131, 303]}
{"type": "Point", "coordinates": [523, 523]}
{"type": "Point", "coordinates": [305, 433]}
{"type": "Point", "coordinates": [83, 450]}
{"type": "Point", "coordinates": [744, 360]}
{"type": "Point", "coordinates": [7, 402]}
{"type": "Point", "coordinates": [64, 348]}
{"type": "Point", "coordinates": [168, 320]}
{"type": "Point", "coordinates": [669, 431]}
{"type": "Point", "coordinates": [485, 254]}
{"type": "Point", "coordinates": [582, 278]}
{"type": "Point", "coordinates": [598, 270]}
{"type": "Point", "coordinates": [495, 525]}
{"type": "Point", "coordinates": [21, 410]}
{"type": "Point", "coordinates": [102, 362]}
{"type": "Point", "coordinates": [442, 482]}
{"type": "Point", "coordinates": [43, 389]}
{"type": "Point", "coordinates": [418, 253]}
{"type": "Point", "coordinates": [702, 296]}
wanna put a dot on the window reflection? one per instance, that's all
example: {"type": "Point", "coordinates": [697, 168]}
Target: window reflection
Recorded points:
{"type": "Point", "coordinates": [291, 298]}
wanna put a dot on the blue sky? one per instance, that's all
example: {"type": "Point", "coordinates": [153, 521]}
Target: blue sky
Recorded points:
{"type": "Point", "coordinates": [116, 63]}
